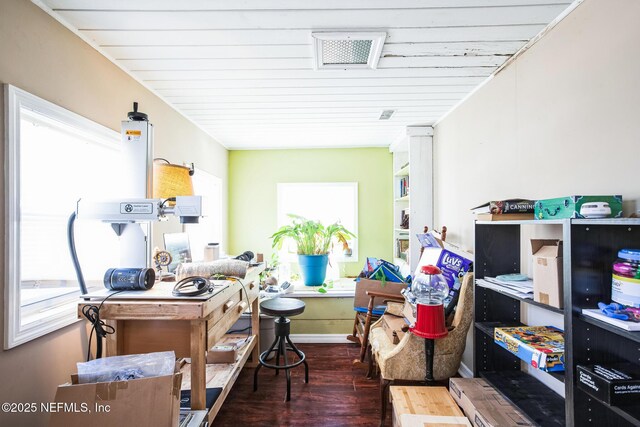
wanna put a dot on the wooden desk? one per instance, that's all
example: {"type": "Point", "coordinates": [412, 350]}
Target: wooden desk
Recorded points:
{"type": "Point", "coordinates": [189, 328]}
{"type": "Point", "coordinates": [425, 406]}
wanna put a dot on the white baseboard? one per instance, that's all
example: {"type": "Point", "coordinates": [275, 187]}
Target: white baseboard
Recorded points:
{"type": "Point", "coordinates": [464, 371]}
{"type": "Point", "coordinates": [320, 338]}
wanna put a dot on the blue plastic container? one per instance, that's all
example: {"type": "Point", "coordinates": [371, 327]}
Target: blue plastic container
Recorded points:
{"type": "Point", "coordinates": [313, 269]}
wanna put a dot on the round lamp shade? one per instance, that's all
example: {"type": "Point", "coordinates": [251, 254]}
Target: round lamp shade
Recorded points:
{"type": "Point", "coordinates": [171, 180]}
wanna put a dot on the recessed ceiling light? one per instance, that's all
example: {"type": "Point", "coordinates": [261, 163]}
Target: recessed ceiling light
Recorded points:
{"type": "Point", "coordinates": [347, 50]}
{"type": "Point", "coordinates": [386, 114]}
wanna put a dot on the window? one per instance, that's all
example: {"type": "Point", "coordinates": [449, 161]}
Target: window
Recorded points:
{"type": "Point", "coordinates": [209, 228]}
{"type": "Point", "coordinates": [326, 202]}
{"type": "Point", "coordinates": [53, 157]}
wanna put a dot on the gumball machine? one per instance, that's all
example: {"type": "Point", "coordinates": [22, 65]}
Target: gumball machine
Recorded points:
{"type": "Point", "coordinates": [428, 292]}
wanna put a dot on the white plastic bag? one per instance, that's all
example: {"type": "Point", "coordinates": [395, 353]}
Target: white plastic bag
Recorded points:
{"type": "Point", "coordinates": [123, 368]}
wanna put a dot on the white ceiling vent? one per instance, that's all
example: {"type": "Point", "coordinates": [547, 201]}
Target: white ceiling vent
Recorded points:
{"type": "Point", "coordinates": [386, 114]}
{"type": "Point", "coordinates": [347, 50]}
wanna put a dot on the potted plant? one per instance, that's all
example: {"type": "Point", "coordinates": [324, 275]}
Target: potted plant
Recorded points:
{"type": "Point", "coordinates": [313, 241]}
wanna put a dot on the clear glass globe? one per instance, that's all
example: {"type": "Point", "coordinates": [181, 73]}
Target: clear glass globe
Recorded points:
{"type": "Point", "coordinates": [430, 286]}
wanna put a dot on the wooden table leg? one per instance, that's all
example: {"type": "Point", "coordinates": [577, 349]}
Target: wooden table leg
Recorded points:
{"type": "Point", "coordinates": [114, 340]}
{"type": "Point", "coordinates": [255, 328]}
{"type": "Point", "coordinates": [198, 364]}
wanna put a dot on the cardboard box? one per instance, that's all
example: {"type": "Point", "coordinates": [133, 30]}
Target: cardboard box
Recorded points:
{"type": "Point", "coordinates": [540, 346]}
{"type": "Point", "coordinates": [222, 354]}
{"type": "Point", "coordinates": [392, 326]}
{"type": "Point", "coordinates": [579, 207]}
{"type": "Point", "coordinates": [484, 405]}
{"type": "Point", "coordinates": [409, 313]}
{"type": "Point", "coordinates": [361, 298]}
{"type": "Point", "coordinates": [547, 272]}
{"type": "Point", "coordinates": [144, 402]}
{"type": "Point", "coordinates": [615, 384]}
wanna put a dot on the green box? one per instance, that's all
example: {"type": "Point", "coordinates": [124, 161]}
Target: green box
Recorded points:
{"type": "Point", "coordinates": [589, 207]}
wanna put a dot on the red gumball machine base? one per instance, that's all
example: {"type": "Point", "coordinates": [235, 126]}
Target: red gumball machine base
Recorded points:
{"type": "Point", "coordinates": [430, 325]}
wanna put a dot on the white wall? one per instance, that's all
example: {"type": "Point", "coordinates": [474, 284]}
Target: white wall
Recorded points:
{"type": "Point", "coordinates": [562, 119]}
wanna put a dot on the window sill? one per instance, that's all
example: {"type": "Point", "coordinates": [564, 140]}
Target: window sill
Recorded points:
{"type": "Point", "coordinates": [342, 288]}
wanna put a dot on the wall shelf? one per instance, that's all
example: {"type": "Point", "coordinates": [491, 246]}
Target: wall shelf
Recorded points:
{"type": "Point", "coordinates": [404, 171]}
{"type": "Point", "coordinates": [412, 162]}
{"type": "Point", "coordinates": [589, 250]}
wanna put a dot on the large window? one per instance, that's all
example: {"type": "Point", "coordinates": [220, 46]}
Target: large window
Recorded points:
{"type": "Point", "coordinates": [326, 202]}
{"type": "Point", "coordinates": [53, 157]}
{"type": "Point", "coordinates": [209, 228]}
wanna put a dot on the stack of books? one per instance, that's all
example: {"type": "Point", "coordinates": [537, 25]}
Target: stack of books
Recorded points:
{"type": "Point", "coordinates": [505, 210]}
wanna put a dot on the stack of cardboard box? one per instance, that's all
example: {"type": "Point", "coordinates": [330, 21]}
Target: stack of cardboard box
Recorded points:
{"type": "Point", "coordinates": [484, 405]}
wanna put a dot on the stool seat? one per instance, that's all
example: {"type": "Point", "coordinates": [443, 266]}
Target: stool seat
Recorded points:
{"type": "Point", "coordinates": [284, 307]}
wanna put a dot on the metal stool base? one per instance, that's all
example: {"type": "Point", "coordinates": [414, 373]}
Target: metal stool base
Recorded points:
{"type": "Point", "coordinates": [281, 345]}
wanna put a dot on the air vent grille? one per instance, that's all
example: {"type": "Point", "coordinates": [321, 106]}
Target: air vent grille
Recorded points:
{"type": "Point", "coordinates": [347, 50]}
{"type": "Point", "coordinates": [386, 114]}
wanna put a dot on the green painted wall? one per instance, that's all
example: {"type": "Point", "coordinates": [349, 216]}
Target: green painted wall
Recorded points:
{"type": "Point", "coordinates": [325, 316]}
{"type": "Point", "coordinates": [253, 176]}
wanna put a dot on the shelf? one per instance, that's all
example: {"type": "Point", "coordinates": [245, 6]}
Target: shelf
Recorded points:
{"type": "Point", "coordinates": [525, 300]}
{"type": "Point", "coordinates": [401, 230]}
{"type": "Point", "coordinates": [606, 221]}
{"type": "Point", "coordinates": [543, 406]}
{"type": "Point", "coordinates": [526, 222]}
{"type": "Point", "coordinates": [487, 329]}
{"type": "Point", "coordinates": [632, 335]}
{"type": "Point", "coordinates": [222, 375]}
{"type": "Point", "coordinates": [573, 221]}
{"type": "Point", "coordinates": [629, 413]}
{"type": "Point", "coordinates": [403, 199]}
{"type": "Point", "coordinates": [403, 171]}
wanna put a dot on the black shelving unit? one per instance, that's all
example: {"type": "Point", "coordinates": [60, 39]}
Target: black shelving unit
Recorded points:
{"type": "Point", "coordinates": [590, 247]}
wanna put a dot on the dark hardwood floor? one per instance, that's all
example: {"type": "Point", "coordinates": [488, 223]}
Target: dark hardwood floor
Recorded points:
{"type": "Point", "coordinates": [338, 394]}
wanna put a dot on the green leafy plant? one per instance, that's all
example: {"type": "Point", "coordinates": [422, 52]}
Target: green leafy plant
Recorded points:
{"type": "Point", "coordinates": [311, 237]}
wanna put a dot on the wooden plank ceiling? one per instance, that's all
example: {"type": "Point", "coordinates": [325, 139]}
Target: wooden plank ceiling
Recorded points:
{"type": "Point", "coordinates": [243, 69]}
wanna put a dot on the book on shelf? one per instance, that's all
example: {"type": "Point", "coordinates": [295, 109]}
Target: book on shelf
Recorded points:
{"type": "Point", "coordinates": [402, 247]}
{"type": "Point", "coordinates": [595, 313]}
{"type": "Point", "coordinates": [504, 217]}
{"type": "Point", "coordinates": [404, 186]}
{"type": "Point", "coordinates": [509, 206]}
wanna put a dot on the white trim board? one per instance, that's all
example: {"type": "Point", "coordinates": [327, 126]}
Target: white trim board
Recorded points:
{"type": "Point", "coordinates": [320, 338]}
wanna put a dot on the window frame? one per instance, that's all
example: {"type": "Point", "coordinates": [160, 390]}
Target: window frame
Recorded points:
{"type": "Point", "coordinates": [65, 313]}
{"type": "Point", "coordinates": [216, 211]}
{"type": "Point", "coordinates": [354, 258]}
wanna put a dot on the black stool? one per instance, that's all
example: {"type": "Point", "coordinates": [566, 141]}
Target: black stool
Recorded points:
{"type": "Point", "coordinates": [281, 307]}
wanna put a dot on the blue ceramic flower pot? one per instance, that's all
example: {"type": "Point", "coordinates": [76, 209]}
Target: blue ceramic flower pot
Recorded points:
{"type": "Point", "coordinates": [313, 269]}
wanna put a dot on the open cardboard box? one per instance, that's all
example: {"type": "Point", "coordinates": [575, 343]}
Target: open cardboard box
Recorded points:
{"type": "Point", "coordinates": [361, 298]}
{"type": "Point", "coordinates": [144, 402]}
{"type": "Point", "coordinates": [547, 271]}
